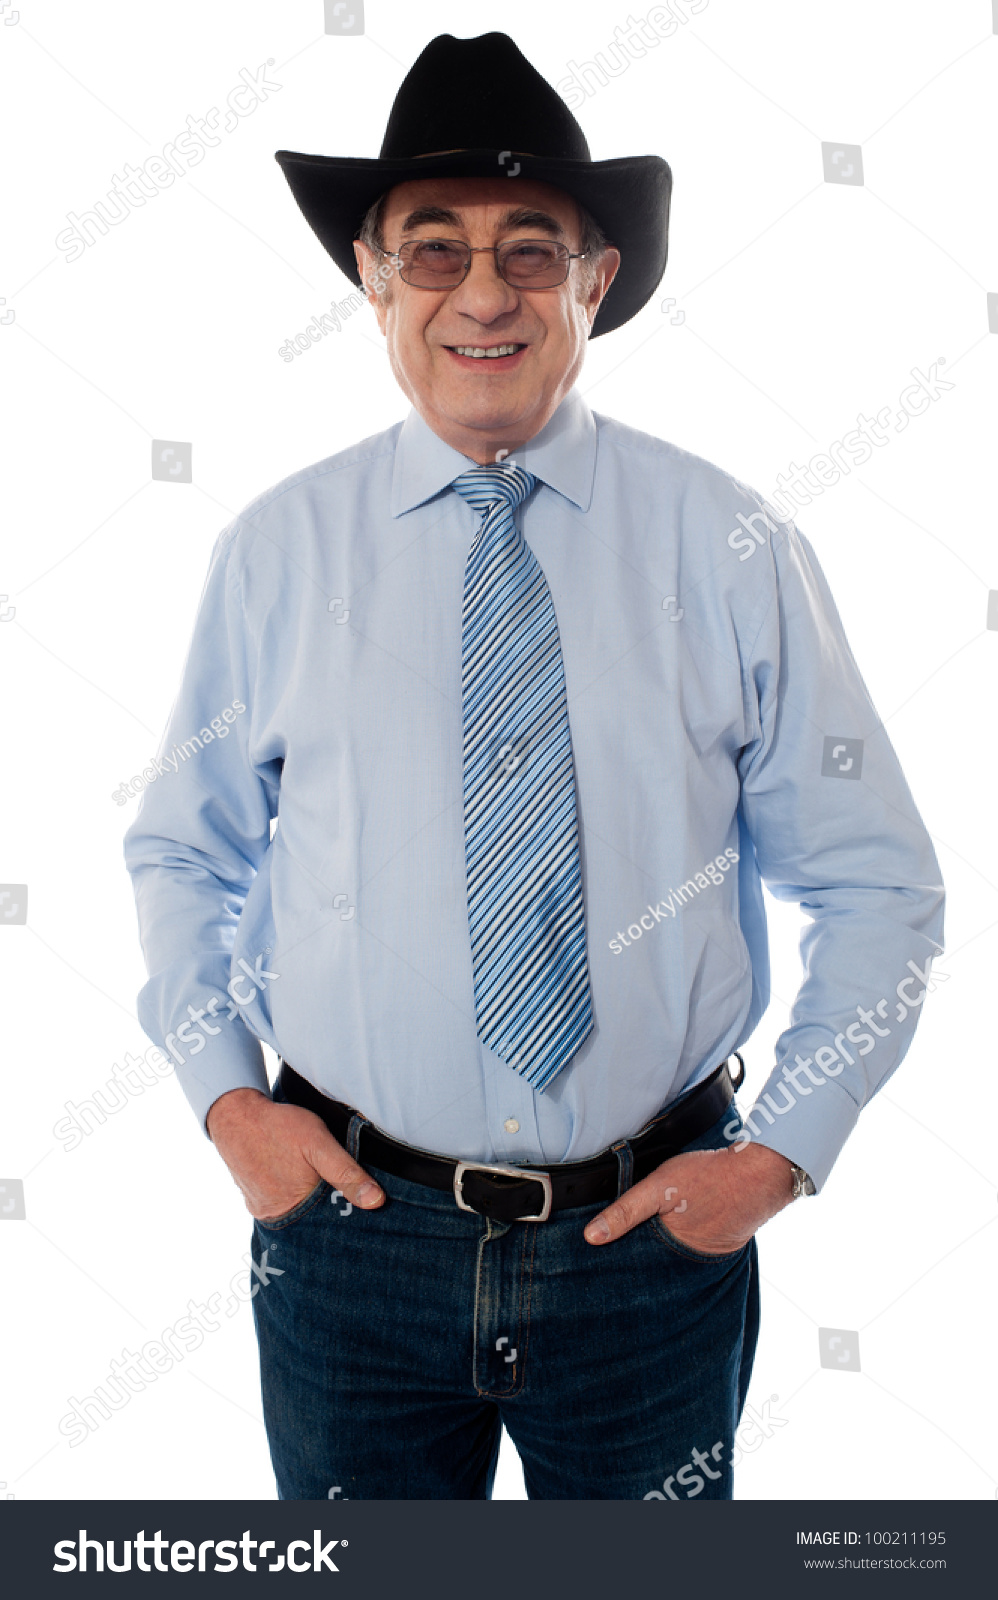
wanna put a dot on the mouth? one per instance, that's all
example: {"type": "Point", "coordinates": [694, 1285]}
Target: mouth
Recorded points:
{"type": "Point", "coordinates": [489, 356]}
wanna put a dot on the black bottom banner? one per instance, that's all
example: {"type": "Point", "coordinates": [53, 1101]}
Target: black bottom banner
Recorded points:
{"type": "Point", "coordinates": [533, 1551]}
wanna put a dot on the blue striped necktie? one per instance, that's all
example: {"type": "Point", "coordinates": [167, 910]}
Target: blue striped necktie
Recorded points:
{"type": "Point", "coordinates": [525, 908]}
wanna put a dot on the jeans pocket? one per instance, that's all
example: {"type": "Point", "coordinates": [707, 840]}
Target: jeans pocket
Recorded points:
{"type": "Point", "coordinates": [311, 1199]}
{"type": "Point", "coordinates": [686, 1251]}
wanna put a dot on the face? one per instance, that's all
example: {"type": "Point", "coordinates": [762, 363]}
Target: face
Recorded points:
{"type": "Point", "coordinates": [481, 403]}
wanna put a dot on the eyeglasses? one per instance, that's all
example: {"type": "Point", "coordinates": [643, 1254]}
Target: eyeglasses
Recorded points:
{"type": "Point", "coordinates": [444, 263]}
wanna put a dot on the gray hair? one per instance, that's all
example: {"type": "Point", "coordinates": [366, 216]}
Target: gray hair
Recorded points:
{"type": "Point", "coordinates": [592, 240]}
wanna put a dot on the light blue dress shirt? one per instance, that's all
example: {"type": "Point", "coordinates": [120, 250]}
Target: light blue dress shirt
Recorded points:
{"type": "Point", "coordinates": [300, 872]}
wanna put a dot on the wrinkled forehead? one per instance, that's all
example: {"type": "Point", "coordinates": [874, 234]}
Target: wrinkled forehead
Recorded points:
{"type": "Point", "coordinates": [485, 207]}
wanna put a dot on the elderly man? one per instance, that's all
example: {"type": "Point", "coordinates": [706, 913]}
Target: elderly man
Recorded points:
{"type": "Point", "coordinates": [534, 703]}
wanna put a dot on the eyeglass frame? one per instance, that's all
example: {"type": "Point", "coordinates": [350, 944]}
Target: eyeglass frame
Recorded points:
{"type": "Point", "coordinates": [481, 249]}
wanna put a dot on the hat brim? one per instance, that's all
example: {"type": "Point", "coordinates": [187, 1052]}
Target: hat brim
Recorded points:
{"type": "Point", "coordinates": [629, 198]}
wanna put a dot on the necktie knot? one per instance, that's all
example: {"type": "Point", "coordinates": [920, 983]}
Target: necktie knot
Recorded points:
{"type": "Point", "coordinates": [484, 487]}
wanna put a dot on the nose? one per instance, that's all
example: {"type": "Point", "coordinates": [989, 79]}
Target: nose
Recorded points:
{"type": "Point", "coordinates": [484, 295]}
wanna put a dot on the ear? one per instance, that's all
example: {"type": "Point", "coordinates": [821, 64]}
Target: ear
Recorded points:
{"type": "Point", "coordinates": [604, 276]}
{"type": "Point", "coordinates": [371, 268]}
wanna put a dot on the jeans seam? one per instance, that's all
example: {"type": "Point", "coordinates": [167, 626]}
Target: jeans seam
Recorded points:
{"type": "Point", "coordinates": [483, 1240]}
{"type": "Point", "coordinates": [526, 1285]}
{"type": "Point", "coordinates": [625, 1166]}
{"type": "Point", "coordinates": [530, 1290]}
{"type": "Point", "coordinates": [358, 1122]}
{"type": "Point", "coordinates": [522, 1328]}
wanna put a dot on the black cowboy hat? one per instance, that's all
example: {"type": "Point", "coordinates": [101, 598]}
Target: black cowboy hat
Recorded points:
{"type": "Point", "coordinates": [477, 108]}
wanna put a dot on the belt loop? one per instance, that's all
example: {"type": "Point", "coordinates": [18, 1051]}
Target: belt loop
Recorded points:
{"type": "Point", "coordinates": [625, 1165]}
{"type": "Point", "coordinates": [357, 1123]}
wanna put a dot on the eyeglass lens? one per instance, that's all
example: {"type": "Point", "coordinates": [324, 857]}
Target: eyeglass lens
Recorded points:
{"type": "Point", "coordinates": [433, 263]}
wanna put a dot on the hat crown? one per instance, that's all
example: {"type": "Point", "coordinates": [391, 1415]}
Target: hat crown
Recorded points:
{"type": "Point", "coordinates": [479, 94]}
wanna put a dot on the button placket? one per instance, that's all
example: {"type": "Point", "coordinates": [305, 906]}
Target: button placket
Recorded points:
{"type": "Point", "coordinates": [510, 1100]}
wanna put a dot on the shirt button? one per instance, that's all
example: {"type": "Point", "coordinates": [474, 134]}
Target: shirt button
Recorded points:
{"type": "Point", "coordinates": [511, 1125]}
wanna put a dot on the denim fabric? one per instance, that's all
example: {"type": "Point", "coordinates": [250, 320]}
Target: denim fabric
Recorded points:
{"type": "Point", "coordinates": [395, 1343]}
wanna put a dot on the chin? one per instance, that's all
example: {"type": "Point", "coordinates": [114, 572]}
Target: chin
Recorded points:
{"type": "Point", "coordinates": [490, 411]}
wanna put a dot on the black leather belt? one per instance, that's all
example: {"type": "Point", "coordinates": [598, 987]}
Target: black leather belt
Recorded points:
{"type": "Point", "coordinates": [525, 1193]}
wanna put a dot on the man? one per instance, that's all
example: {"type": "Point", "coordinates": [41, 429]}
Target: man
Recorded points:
{"type": "Point", "coordinates": [526, 724]}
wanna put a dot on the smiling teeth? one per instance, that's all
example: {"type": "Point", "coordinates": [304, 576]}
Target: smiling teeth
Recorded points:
{"type": "Point", "coordinates": [496, 350]}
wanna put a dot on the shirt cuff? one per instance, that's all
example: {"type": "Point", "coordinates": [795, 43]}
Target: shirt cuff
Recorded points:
{"type": "Point", "coordinates": [810, 1132]}
{"type": "Point", "coordinates": [231, 1060]}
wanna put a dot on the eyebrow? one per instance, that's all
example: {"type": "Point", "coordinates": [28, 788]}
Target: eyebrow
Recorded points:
{"type": "Point", "coordinates": [516, 217]}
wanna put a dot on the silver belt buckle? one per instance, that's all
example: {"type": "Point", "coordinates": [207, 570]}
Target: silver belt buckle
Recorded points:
{"type": "Point", "coordinates": [543, 1178]}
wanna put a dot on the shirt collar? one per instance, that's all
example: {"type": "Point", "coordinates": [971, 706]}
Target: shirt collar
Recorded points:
{"type": "Point", "coordinates": [562, 455]}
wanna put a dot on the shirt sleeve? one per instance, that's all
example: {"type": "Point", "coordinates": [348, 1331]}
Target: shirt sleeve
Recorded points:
{"type": "Point", "coordinates": [193, 851]}
{"type": "Point", "coordinates": [834, 827]}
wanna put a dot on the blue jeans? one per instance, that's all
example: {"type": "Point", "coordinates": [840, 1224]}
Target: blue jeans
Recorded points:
{"type": "Point", "coordinates": [395, 1343]}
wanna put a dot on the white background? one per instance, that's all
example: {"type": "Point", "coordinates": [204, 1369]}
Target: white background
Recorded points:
{"type": "Point", "coordinates": [805, 303]}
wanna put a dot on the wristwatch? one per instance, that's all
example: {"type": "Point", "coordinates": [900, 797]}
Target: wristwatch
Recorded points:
{"type": "Point", "coordinates": [802, 1183]}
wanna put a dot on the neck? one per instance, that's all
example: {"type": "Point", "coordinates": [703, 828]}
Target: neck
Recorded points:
{"type": "Point", "coordinates": [488, 443]}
